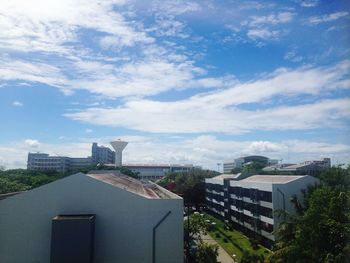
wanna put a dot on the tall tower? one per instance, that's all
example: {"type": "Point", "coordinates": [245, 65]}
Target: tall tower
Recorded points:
{"type": "Point", "coordinates": [118, 146]}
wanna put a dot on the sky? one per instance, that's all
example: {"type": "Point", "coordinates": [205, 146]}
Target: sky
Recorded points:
{"type": "Point", "coordinates": [184, 82]}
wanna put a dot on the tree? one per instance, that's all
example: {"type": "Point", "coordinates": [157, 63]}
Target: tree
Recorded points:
{"type": "Point", "coordinates": [248, 257]}
{"type": "Point", "coordinates": [195, 226]}
{"type": "Point", "coordinates": [207, 253]}
{"type": "Point", "coordinates": [190, 185]}
{"type": "Point", "coordinates": [254, 167]}
{"type": "Point", "coordinates": [320, 230]}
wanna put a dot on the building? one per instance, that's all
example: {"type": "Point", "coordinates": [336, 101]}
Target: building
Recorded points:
{"type": "Point", "coordinates": [154, 172]}
{"type": "Point", "coordinates": [44, 162]}
{"type": "Point", "coordinates": [307, 167]}
{"type": "Point", "coordinates": [109, 217]}
{"type": "Point", "coordinates": [102, 154]}
{"type": "Point", "coordinates": [248, 203]}
{"type": "Point", "coordinates": [61, 164]}
{"type": "Point", "coordinates": [240, 162]}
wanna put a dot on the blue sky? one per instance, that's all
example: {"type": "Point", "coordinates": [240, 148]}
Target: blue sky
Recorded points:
{"type": "Point", "coordinates": [183, 81]}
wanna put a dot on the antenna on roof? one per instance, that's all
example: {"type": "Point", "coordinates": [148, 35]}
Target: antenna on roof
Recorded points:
{"type": "Point", "coordinates": [219, 164]}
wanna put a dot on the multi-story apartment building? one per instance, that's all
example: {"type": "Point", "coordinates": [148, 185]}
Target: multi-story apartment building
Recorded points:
{"type": "Point", "coordinates": [248, 203]}
{"type": "Point", "coordinates": [102, 154]}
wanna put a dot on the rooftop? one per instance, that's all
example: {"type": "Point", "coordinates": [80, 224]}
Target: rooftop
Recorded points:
{"type": "Point", "coordinates": [149, 190]}
{"type": "Point", "coordinates": [274, 179]}
{"type": "Point", "coordinates": [158, 165]}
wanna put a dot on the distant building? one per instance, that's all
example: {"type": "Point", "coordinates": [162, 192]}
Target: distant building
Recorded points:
{"type": "Point", "coordinates": [61, 164]}
{"type": "Point", "coordinates": [307, 167]}
{"type": "Point", "coordinates": [240, 162]}
{"type": "Point", "coordinates": [102, 154]}
{"type": "Point", "coordinates": [154, 172]}
{"type": "Point", "coordinates": [109, 218]}
{"type": "Point", "coordinates": [44, 162]}
{"type": "Point", "coordinates": [248, 202]}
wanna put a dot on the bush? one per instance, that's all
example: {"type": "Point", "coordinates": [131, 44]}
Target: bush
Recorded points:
{"type": "Point", "coordinates": [254, 243]}
{"type": "Point", "coordinates": [217, 235]}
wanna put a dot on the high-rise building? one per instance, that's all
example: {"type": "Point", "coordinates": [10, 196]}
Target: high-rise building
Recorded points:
{"type": "Point", "coordinates": [102, 154]}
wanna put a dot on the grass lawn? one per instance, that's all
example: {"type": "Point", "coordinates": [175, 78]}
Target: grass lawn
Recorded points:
{"type": "Point", "coordinates": [233, 241]}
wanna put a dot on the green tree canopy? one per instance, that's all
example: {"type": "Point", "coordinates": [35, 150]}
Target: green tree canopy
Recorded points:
{"type": "Point", "coordinates": [320, 231]}
{"type": "Point", "coordinates": [191, 185]}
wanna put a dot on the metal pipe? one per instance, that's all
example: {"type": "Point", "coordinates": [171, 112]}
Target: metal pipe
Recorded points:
{"type": "Point", "coordinates": [154, 236]}
{"type": "Point", "coordinates": [284, 201]}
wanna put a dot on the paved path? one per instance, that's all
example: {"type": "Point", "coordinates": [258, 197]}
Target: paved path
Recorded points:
{"type": "Point", "coordinates": [223, 257]}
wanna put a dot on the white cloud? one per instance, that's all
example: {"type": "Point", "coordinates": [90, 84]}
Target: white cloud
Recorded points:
{"type": "Point", "coordinates": [263, 27]}
{"type": "Point", "coordinates": [35, 72]}
{"type": "Point", "coordinates": [46, 25]}
{"type": "Point", "coordinates": [309, 3]}
{"type": "Point", "coordinates": [265, 34]}
{"type": "Point", "coordinates": [175, 7]}
{"type": "Point", "coordinates": [17, 103]}
{"type": "Point", "coordinates": [219, 111]}
{"type": "Point", "coordinates": [315, 20]}
{"type": "Point", "coordinates": [32, 143]}
{"type": "Point", "coordinates": [272, 19]}
{"type": "Point", "coordinates": [195, 117]}
{"type": "Point", "coordinates": [293, 56]}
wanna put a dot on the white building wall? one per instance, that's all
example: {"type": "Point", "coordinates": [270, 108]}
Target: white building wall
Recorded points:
{"type": "Point", "coordinates": [289, 190]}
{"type": "Point", "coordinates": [123, 227]}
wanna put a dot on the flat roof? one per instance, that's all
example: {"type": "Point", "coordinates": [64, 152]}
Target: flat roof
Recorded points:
{"type": "Point", "coordinates": [158, 165]}
{"type": "Point", "coordinates": [275, 179]}
{"type": "Point", "coordinates": [150, 191]}
{"type": "Point", "coordinates": [225, 176]}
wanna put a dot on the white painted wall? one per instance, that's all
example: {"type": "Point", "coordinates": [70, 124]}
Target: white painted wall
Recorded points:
{"type": "Point", "coordinates": [123, 227]}
{"type": "Point", "coordinates": [289, 189]}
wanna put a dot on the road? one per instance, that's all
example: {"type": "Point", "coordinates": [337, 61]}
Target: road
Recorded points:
{"type": "Point", "coordinates": [223, 257]}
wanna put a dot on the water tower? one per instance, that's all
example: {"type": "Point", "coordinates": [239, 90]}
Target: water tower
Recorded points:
{"type": "Point", "coordinates": [118, 146]}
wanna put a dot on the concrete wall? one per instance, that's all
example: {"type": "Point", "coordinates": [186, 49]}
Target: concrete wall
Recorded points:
{"type": "Point", "coordinates": [289, 189]}
{"type": "Point", "coordinates": [123, 229]}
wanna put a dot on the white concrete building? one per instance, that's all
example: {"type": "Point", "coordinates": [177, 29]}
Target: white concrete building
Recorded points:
{"type": "Point", "coordinates": [153, 172]}
{"type": "Point", "coordinates": [240, 162]}
{"type": "Point", "coordinates": [248, 203]}
{"type": "Point", "coordinates": [133, 222]}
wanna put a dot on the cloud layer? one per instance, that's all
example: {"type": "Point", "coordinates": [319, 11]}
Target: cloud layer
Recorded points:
{"type": "Point", "coordinates": [223, 110]}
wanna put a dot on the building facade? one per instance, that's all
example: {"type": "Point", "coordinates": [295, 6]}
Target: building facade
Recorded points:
{"type": "Point", "coordinates": [153, 172]}
{"type": "Point", "coordinates": [314, 167]}
{"type": "Point", "coordinates": [240, 162]}
{"type": "Point", "coordinates": [61, 164]}
{"type": "Point", "coordinates": [133, 222]}
{"type": "Point", "coordinates": [102, 154]}
{"type": "Point", "coordinates": [44, 162]}
{"type": "Point", "coordinates": [248, 203]}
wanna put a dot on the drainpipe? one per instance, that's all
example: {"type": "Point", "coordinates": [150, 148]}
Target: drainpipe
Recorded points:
{"type": "Point", "coordinates": [154, 236]}
{"type": "Point", "coordinates": [284, 202]}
